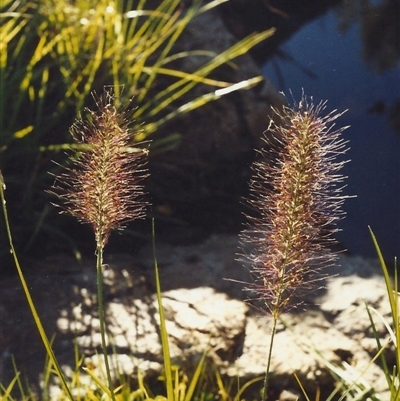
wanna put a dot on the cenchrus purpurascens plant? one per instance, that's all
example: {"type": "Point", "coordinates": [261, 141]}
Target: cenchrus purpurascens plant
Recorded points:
{"type": "Point", "coordinates": [54, 53]}
{"type": "Point", "coordinates": [296, 192]}
{"type": "Point", "coordinates": [103, 186]}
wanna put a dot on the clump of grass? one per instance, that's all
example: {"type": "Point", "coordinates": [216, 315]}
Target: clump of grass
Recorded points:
{"type": "Point", "coordinates": [298, 199]}
{"type": "Point", "coordinates": [55, 53]}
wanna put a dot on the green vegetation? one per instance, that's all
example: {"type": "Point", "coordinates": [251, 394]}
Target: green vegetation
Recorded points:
{"type": "Point", "coordinates": [57, 53]}
{"type": "Point", "coordinates": [54, 54]}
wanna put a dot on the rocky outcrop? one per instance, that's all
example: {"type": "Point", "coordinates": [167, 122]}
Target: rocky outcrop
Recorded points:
{"type": "Point", "coordinates": [207, 169]}
{"type": "Point", "coordinates": [204, 312]}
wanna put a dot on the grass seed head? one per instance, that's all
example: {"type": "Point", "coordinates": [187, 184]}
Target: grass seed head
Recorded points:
{"type": "Point", "coordinates": [102, 186]}
{"type": "Point", "coordinates": [297, 198]}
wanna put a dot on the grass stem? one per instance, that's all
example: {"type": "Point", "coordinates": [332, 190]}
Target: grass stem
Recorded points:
{"type": "Point", "coordinates": [271, 345]}
{"type": "Point", "coordinates": [100, 301]}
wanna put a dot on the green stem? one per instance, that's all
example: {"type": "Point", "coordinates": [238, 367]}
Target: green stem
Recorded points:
{"type": "Point", "coordinates": [99, 269]}
{"type": "Point", "coordinates": [271, 345]}
{"type": "Point", "coordinates": [25, 287]}
{"type": "Point", "coordinates": [163, 329]}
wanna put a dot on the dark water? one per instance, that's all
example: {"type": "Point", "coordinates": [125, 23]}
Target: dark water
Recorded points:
{"type": "Point", "coordinates": [327, 62]}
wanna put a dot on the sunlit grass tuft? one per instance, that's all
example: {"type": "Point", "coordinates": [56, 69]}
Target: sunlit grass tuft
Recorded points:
{"type": "Point", "coordinates": [53, 54]}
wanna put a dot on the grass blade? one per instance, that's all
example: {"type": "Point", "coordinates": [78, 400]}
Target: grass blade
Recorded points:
{"type": "Point", "coordinates": [31, 304]}
{"type": "Point", "coordinates": [163, 328]}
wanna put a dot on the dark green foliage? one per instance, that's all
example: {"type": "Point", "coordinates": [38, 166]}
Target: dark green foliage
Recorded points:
{"type": "Point", "coordinates": [53, 55]}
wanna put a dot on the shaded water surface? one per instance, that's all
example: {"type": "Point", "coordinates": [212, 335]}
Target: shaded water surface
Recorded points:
{"type": "Point", "coordinates": [350, 57]}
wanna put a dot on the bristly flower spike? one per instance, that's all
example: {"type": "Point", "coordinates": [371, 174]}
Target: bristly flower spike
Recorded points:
{"type": "Point", "coordinates": [298, 201]}
{"type": "Point", "coordinates": [103, 185]}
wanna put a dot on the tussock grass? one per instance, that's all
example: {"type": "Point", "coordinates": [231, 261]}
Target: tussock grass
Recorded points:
{"type": "Point", "coordinates": [53, 54]}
